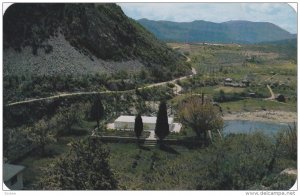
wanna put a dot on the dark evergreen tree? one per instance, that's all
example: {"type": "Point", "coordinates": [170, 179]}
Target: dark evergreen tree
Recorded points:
{"type": "Point", "coordinates": [85, 168]}
{"type": "Point", "coordinates": [138, 126]}
{"type": "Point", "coordinates": [162, 125]}
{"type": "Point", "coordinates": [97, 110]}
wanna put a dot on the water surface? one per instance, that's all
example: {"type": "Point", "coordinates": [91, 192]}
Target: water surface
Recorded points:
{"type": "Point", "coordinates": [246, 126]}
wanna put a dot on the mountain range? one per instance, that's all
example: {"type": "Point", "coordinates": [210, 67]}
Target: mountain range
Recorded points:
{"type": "Point", "coordinates": [52, 39]}
{"type": "Point", "coordinates": [236, 31]}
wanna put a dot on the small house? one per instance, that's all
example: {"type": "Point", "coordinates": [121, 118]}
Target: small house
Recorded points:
{"type": "Point", "coordinates": [228, 80]}
{"type": "Point", "coordinates": [13, 176]}
{"type": "Point", "coordinates": [149, 123]}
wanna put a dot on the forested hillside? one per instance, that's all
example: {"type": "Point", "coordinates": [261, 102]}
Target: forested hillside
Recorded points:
{"type": "Point", "coordinates": [48, 47]}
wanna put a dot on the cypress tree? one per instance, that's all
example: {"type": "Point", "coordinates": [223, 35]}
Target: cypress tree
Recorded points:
{"type": "Point", "coordinates": [97, 111]}
{"type": "Point", "coordinates": [138, 126]}
{"type": "Point", "coordinates": [162, 125]}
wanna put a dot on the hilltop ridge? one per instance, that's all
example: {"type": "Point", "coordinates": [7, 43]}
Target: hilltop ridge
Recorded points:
{"type": "Point", "coordinates": [234, 31]}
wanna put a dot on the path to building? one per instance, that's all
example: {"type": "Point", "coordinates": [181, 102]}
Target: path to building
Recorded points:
{"type": "Point", "coordinates": [271, 92]}
{"type": "Point", "coordinates": [150, 141]}
{"type": "Point", "coordinates": [151, 136]}
{"type": "Point", "coordinates": [177, 90]}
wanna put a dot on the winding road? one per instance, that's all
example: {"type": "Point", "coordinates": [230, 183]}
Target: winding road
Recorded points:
{"type": "Point", "coordinates": [176, 90]}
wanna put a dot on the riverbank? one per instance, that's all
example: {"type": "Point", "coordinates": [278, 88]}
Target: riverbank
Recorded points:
{"type": "Point", "coordinates": [264, 116]}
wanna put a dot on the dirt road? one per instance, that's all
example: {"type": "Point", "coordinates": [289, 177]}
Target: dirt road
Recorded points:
{"type": "Point", "coordinates": [177, 90]}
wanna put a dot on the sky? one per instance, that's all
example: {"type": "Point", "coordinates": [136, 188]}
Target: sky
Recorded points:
{"type": "Point", "coordinates": [280, 14]}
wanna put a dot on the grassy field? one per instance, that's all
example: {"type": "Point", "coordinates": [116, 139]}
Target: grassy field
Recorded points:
{"type": "Point", "coordinates": [153, 168]}
{"type": "Point", "coordinates": [177, 168]}
{"type": "Point", "coordinates": [271, 64]}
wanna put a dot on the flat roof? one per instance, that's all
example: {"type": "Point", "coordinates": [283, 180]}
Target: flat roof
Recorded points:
{"type": "Point", "coordinates": [146, 119]}
{"type": "Point", "coordinates": [10, 171]}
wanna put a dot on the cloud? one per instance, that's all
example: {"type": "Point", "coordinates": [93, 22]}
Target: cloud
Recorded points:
{"type": "Point", "coordinates": [280, 14]}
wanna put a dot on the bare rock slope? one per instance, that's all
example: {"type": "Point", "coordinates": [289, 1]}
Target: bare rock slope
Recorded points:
{"type": "Point", "coordinates": [79, 38]}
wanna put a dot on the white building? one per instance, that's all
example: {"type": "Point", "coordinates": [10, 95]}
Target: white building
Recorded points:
{"type": "Point", "coordinates": [127, 122]}
{"type": "Point", "coordinates": [13, 176]}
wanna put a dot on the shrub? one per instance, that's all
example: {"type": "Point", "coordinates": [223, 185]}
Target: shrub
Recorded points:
{"type": "Point", "coordinates": [280, 98]}
{"type": "Point", "coordinates": [170, 85]}
{"type": "Point", "coordinates": [237, 162]}
{"type": "Point", "coordinates": [288, 142]}
{"type": "Point", "coordinates": [85, 168]}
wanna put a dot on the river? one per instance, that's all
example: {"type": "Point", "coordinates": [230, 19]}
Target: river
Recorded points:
{"type": "Point", "coordinates": [245, 126]}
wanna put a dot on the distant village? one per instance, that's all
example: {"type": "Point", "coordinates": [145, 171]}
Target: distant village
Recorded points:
{"type": "Point", "coordinates": [230, 82]}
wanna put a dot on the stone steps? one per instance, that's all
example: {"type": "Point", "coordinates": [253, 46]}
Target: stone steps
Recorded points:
{"type": "Point", "coordinates": [150, 143]}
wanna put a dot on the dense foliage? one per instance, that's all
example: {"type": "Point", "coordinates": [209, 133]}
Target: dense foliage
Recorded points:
{"type": "Point", "coordinates": [42, 134]}
{"type": "Point", "coordinates": [223, 167]}
{"type": "Point", "coordinates": [238, 162]}
{"type": "Point", "coordinates": [24, 139]}
{"type": "Point", "coordinates": [288, 142]}
{"type": "Point", "coordinates": [201, 116]}
{"type": "Point", "coordinates": [85, 168]}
